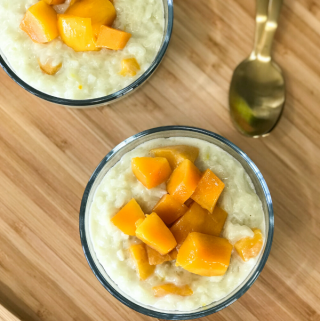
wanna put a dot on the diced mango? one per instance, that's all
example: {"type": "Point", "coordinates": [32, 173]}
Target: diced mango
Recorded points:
{"type": "Point", "coordinates": [150, 171]}
{"type": "Point", "coordinates": [204, 254]}
{"type": "Point", "coordinates": [156, 258]}
{"type": "Point", "coordinates": [174, 254]}
{"type": "Point", "coordinates": [139, 255]}
{"type": "Point", "coordinates": [250, 247]}
{"type": "Point", "coordinates": [188, 202]}
{"type": "Point", "coordinates": [76, 32]}
{"type": "Point", "coordinates": [101, 12]}
{"type": "Point", "coordinates": [112, 38]}
{"type": "Point", "coordinates": [156, 234]}
{"type": "Point", "coordinates": [197, 219]}
{"type": "Point", "coordinates": [49, 68]}
{"type": "Point", "coordinates": [183, 181]}
{"type": "Point", "coordinates": [139, 221]}
{"type": "Point", "coordinates": [54, 2]}
{"type": "Point", "coordinates": [170, 288]}
{"type": "Point", "coordinates": [40, 23]}
{"type": "Point", "coordinates": [176, 154]}
{"type": "Point", "coordinates": [129, 67]}
{"type": "Point", "coordinates": [126, 218]}
{"type": "Point", "coordinates": [169, 209]}
{"type": "Point", "coordinates": [208, 190]}
{"type": "Point", "coordinates": [73, 2]}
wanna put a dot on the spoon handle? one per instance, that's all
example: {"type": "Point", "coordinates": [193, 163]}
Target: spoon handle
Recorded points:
{"type": "Point", "coordinates": [270, 29]}
{"type": "Point", "coordinates": [261, 19]}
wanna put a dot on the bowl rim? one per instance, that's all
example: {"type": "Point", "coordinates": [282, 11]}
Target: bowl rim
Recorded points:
{"type": "Point", "coordinates": [147, 311]}
{"type": "Point", "coordinates": [93, 102]}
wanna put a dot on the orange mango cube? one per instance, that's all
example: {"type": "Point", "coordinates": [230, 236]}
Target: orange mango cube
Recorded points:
{"type": "Point", "coordinates": [49, 68]}
{"type": "Point", "coordinates": [101, 12]}
{"type": "Point", "coordinates": [176, 154]}
{"type": "Point", "coordinates": [129, 67]}
{"type": "Point", "coordinates": [139, 255]}
{"type": "Point", "coordinates": [40, 23]}
{"type": "Point", "coordinates": [184, 181]}
{"type": "Point", "coordinates": [54, 2]}
{"type": "Point", "coordinates": [208, 190]}
{"type": "Point", "coordinates": [197, 219]}
{"type": "Point", "coordinates": [169, 209]}
{"type": "Point", "coordinates": [150, 171]}
{"type": "Point", "coordinates": [170, 288]}
{"type": "Point", "coordinates": [111, 38]}
{"type": "Point", "coordinates": [126, 218]}
{"type": "Point", "coordinates": [156, 234]}
{"type": "Point", "coordinates": [76, 32]}
{"type": "Point", "coordinates": [250, 247]}
{"type": "Point", "coordinates": [156, 258]}
{"type": "Point", "coordinates": [204, 254]}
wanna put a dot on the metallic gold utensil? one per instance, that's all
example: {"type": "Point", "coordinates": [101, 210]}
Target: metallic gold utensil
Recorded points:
{"type": "Point", "coordinates": [257, 90]}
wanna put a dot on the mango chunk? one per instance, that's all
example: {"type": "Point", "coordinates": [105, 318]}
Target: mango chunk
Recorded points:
{"type": "Point", "coordinates": [197, 219]}
{"type": "Point", "coordinates": [208, 190]}
{"type": "Point", "coordinates": [156, 258]}
{"type": "Point", "coordinates": [54, 2]}
{"type": "Point", "coordinates": [49, 67]}
{"type": "Point", "coordinates": [76, 32]}
{"type": "Point", "coordinates": [101, 12]}
{"type": "Point", "coordinates": [169, 209]}
{"type": "Point", "coordinates": [112, 38]}
{"type": "Point", "coordinates": [183, 181]}
{"type": "Point", "coordinates": [40, 23]}
{"type": "Point", "coordinates": [170, 288]}
{"type": "Point", "coordinates": [250, 247]}
{"type": "Point", "coordinates": [129, 67]}
{"type": "Point", "coordinates": [204, 254]}
{"type": "Point", "coordinates": [126, 218]}
{"type": "Point", "coordinates": [176, 154]}
{"type": "Point", "coordinates": [156, 234]}
{"type": "Point", "coordinates": [139, 255]}
{"type": "Point", "coordinates": [150, 171]}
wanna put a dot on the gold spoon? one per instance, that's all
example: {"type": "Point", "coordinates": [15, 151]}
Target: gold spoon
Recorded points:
{"type": "Point", "coordinates": [257, 90]}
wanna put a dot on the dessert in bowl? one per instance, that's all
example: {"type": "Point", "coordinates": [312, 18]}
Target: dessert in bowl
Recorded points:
{"type": "Point", "coordinates": [176, 222]}
{"type": "Point", "coordinates": [85, 52]}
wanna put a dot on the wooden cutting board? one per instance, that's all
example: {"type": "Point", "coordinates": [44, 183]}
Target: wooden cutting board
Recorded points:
{"type": "Point", "coordinates": [48, 153]}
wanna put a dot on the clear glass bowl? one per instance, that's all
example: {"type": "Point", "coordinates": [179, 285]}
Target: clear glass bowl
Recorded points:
{"type": "Point", "coordinates": [96, 102]}
{"type": "Point", "coordinates": [113, 157]}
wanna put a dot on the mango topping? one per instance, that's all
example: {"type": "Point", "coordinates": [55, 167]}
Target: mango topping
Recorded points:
{"type": "Point", "coordinates": [130, 67]}
{"type": "Point", "coordinates": [151, 172]}
{"type": "Point", "coordinates": [156, 234]}
{"type": "Point", "coordinates": [49, 67]}
{"type": "Point", "coordinates": [204, 254]}
{"type": "Point", "coordinates": [250, 247]}
{"type": "Point", "coordinates": [139, 255]}
{"type": "Point", "coordinates": [54, 2]}
{"type": "Point", "coordinates": [126, 218]}
{"type": "Point", "coordinates": [170, 288]}
{"type": "Point", "coordinates": [111, 38]}
{"type": "Point", "coordinates": [156, 258]}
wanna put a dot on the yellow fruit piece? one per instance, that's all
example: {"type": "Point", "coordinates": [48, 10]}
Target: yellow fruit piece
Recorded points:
{"type": "Point", "coordinates": [156, 258]}
{"type": "Point", "coordinates": [129, 67]}
{"type": "Point", "coordinates": [40, 23]}
{"type": "Point", "coordinates": [76, 32]}
{"type": "Point", "coordinates": [197, 219]}
{"type": "Point", "coordinates": [112, 38]}
{"type": "Point", "coordinates": [169, 209]}
{"type": "Point", "coordinates": [204, 254]}
{"type": "Point", "coordinates": [183, 181]}
{"type": "Point", "coordinates": [208, 190]}
{"type": "Point", "coordinates": [101, 12]}
{"type": "Point", "coordinates": [150, 171]}
{"type": "Point", "coordinates": [170, 288]}
{"type": "Point", "coordinates": [250, 247]}
{"type": "Point", "coordinates": [156, 234]}
{"type": "Point", "coordinates": [49, 68]}
{"type": "Point", "coordinates": [176, 154]}
{"type": "Point", "coordinates": [54, 2]}
{"type": "Point", "coordinates": [126, 218]}
{"type": "Point", "coordinates": [139, 255]}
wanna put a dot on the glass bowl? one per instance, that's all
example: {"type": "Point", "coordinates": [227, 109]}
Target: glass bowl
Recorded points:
{"type": "Point", "coordinates": [113, 157]}
{"type": "Point", "coordinates": [96, 102]}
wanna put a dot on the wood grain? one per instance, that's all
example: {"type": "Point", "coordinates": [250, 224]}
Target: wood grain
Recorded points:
{"type": "Point", "coordinates": [48, 153]}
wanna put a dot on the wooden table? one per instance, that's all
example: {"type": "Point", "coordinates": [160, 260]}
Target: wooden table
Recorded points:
{"type": "Point", "coordinates": [48, 153]}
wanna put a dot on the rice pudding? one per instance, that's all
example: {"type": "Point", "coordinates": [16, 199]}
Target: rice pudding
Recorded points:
{"type": "Point", "coordinates": [83, 75]}
{"type": "Point", "coordinates": [120, 185]}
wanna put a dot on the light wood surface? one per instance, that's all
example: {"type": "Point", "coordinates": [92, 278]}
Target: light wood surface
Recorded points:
{"type": "Point", "coordinates": [48, 153]}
